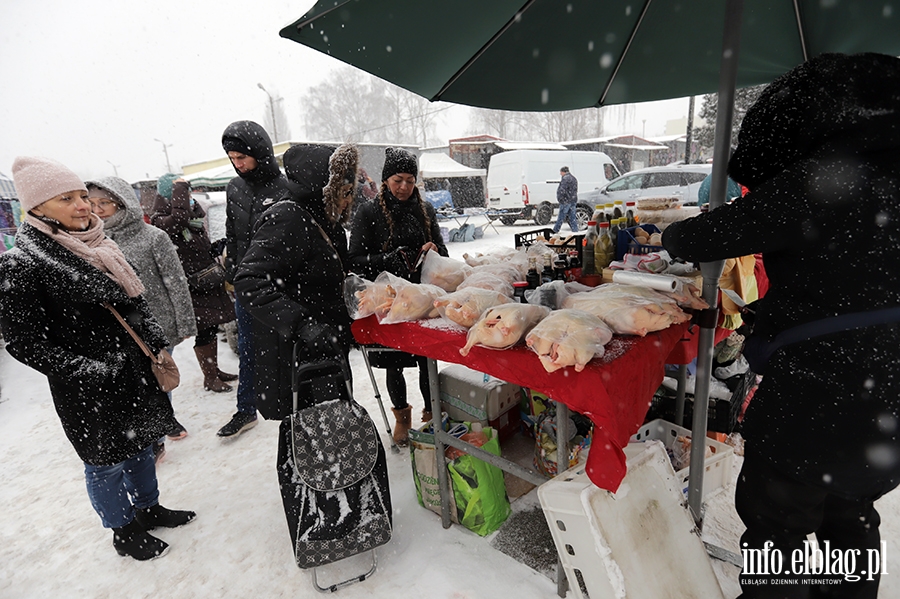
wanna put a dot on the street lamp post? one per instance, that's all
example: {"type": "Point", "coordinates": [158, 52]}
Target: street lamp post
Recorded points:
{"type": "Point", "coordinates": [166, 152]}
{"type": "Point", "coordinates": [271, 111]}
{"type": "Point", "coordinates": [115, 167]}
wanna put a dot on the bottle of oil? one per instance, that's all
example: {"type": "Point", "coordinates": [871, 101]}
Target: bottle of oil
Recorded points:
{"type": "Point", "coordinates": [602, 248]}
{"type": "Point", "coordinates": [587, 251]}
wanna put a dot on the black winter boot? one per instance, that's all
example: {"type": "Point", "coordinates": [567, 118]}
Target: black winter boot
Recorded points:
{"type": "Point", "coordinates": [156, 515]}
{"type": "Point", "coordinates": [132, 540]}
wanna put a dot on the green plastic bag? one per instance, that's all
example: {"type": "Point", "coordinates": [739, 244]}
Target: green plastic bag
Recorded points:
{"type": "Point", "coordinates": [479, 489]}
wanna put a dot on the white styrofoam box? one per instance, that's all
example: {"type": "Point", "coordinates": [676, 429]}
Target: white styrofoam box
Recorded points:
{"type": "Point", "coordinates": [718, 466]}
{"type": "Point", "coordinates": [467, 394]}
{"type": "Point", "coordinates": [637, 543]}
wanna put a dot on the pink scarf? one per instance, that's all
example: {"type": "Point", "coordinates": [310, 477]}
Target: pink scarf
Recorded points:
{"type": "Point", "coordinates": [97, 249]}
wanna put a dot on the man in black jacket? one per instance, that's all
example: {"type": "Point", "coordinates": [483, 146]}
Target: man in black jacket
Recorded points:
{"type": "Point", "coordinates": [259, 184]}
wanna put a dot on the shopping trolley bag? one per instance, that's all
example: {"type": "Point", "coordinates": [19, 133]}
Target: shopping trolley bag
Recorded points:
{"type": "Point", "coordinates": [332, 470]}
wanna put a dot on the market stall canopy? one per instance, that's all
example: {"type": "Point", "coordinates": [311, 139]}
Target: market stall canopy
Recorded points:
{"type": "Point", "coordinates": [437, 165]}
{"type": "Point", "coordinates": [7, 188]}
{"type": "Point", "coordinates": [212, 178]}
{"type": "Point", "coordinates": [543, 55]}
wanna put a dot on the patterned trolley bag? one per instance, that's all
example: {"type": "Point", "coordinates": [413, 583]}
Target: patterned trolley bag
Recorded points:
{"type": "Point", "coordinates": [332, 471]}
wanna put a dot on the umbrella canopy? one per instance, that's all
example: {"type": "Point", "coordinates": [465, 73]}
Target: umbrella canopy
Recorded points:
{"type": "Point", "coordinates": [544, 55]}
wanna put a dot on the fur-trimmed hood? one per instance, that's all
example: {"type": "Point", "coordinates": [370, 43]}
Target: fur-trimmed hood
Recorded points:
{"type": "Point", "coordinates": [318, 172]}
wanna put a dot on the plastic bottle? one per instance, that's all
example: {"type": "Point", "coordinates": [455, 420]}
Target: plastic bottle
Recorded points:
{"type": "Point", "coordinates": [587, 251]}
{"type": "Point", "coordinates": [598, 213]}
{"type": "Point", "coordinates": [519, 288]}
{"type": "Point", "coordinates": [533, 278]}
{"type": "Point", "coordinates": [618, 209]}
{"type": "Point", "coordinates": [629, 214]}
{"type": "Point", "coordinates": [547, 273]}
{"type": "Point", "coordinates": [602, 248]}
{"type": "Point", "coordinates": [609, 211]}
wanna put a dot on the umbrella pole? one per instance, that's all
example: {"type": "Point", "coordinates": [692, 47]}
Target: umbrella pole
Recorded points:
{"type": "Point", "coordinates": [731, 41]}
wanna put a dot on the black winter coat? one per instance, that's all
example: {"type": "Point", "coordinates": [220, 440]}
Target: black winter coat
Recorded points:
{"type": "Point", "coordinates": [373, 237]}
{"type": "Point", "coordinates": [291, 277]}
{"type": "Point", "coordinates": [180, 219]}
{"type": "Point", "coordinates": [53, 320]}
{"type": "Point", "coordinates": [828, 226]}
{"type": "Point", "coordinates": [250, 194]}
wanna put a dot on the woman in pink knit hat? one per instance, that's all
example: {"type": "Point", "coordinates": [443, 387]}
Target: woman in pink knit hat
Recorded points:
{"type": "Point", "coordinates": [55, 286]}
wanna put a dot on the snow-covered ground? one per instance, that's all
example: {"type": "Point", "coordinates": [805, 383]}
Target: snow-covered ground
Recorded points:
{"type": "Point", "coordinates": [52, 543]}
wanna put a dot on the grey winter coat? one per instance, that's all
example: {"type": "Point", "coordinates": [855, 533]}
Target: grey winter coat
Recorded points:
{"type": "Point", "coordinates": [154, 259]}
{"type": "Point", "coordinates": [53, 320]}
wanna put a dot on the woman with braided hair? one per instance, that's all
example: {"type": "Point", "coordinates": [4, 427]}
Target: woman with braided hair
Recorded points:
{"type": "Point", "coordinates": [388, 234]}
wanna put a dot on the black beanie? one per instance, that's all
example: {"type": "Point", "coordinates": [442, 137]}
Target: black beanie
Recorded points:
{"type": "Point", "coordinates": [234, 144]}
{"type": "Point", "coordinates": [398, 160]}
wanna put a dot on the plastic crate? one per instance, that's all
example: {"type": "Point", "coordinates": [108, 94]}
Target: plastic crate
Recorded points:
{"type": "Point", "coordinates": [608, 557]}
{"type": "Point", "coordinates": [627, 244]}
{"type": "Point", "coordinates": [718, 466]}
{"type": "Point", "coordinates": [528, 238]}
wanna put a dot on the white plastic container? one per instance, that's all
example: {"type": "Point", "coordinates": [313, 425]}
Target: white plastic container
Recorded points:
{"type": "Point", "coordinates": [718, 466]}
{"type": "Point", "coordinates": [637, 543]}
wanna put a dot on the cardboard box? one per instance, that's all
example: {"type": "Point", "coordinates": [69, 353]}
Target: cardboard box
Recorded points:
{"type": "Point", "coordinates": [468, 395]}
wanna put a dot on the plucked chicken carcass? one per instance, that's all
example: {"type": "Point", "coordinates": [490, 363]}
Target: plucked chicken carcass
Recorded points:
{"type": "Point", "coordinates": [625, 313]}
{"type": "Point", "coordinates": [465, 306]}
{"type": "Point", "coordinates": [489, 281]}
{"type": "Point", "coordinates": [364, 298]}
{"type": "Point", "coordinates": [503, 326]}
{"type": "Point", "coordinates": [444, 272]}
{"type": "Point", "coordinates": [413, 302]}
{"type": "Point", "coordinates": [568, 338]}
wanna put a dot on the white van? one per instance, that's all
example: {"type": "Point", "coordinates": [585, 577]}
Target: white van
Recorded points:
{"type": "Point", "coordinates": [522, 183]}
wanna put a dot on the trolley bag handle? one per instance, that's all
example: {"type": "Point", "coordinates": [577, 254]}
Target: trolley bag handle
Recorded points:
{"type": "Point", "coordinates": [305, 370]}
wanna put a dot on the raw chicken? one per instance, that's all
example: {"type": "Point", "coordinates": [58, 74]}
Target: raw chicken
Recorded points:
{"type": "Point", "coordinates": [625, 314]}
{"type": "Point", "coordinates": [503, 326]}
{"type": "Point", "coordinates": [465, 306]}
{"type": "Point", "coordinates": [508, 271]}
{"type": "Point", "coordinates": [489, 281]}
{"type": "Point", "coordinates": [446, 273]}
{"type": "Point", "coordinates": [568, 338]}
{"type": "Point", "coordinates": [663, 298]}
{"type": "Point", "coordinates": [413, 302]}
{"type": "Point", "coordinates": [364, 298]}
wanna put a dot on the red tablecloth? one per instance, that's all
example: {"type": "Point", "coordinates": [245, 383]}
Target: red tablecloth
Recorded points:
{"type": "Point", "coordinates": [614, 391]}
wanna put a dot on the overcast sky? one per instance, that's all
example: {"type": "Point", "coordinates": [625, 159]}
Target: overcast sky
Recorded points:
{"type": "Point", "coordinates": [93, 83]}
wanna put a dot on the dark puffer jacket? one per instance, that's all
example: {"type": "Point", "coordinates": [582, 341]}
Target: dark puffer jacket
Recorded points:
{"type": "Point", "coordinates": [181, 218]}
{"type": "Point", "coordinates": [290, 278]}
{"type": "Point", "coordinates": [826, 216]}
{"type": "Point", "coordinates": [385, 224]}
{"type": "Point", "coordinates": [53, 320]}
{"type": "Point", "coordinates": [250, 194]}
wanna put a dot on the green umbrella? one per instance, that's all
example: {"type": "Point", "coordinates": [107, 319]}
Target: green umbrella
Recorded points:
{"type": "Point", "coordinates": [548, 55]}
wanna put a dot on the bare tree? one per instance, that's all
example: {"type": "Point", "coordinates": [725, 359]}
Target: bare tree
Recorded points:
{"type": "Point", "coordinates": [355, 106]}
{"type": "Point", "coordinates": [501, 123]}
{"type": "Point", "coordinates": [744, 98]}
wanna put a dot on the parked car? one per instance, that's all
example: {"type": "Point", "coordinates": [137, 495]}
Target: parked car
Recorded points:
{"type": "Point", "coordinates": [680, 180]}
{"type": "Point", "coordinates": [522, 183]}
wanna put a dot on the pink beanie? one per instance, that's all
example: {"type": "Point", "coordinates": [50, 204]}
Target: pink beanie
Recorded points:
{"type": "Point", "coordinates": [40, 179]}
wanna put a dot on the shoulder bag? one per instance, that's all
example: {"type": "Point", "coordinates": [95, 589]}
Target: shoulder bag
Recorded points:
{"type": "Point", "coordinates": [163, 365]}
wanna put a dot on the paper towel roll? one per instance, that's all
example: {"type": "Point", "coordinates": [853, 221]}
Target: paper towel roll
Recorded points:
{"type": "Point", "coordinates": [644, 279]}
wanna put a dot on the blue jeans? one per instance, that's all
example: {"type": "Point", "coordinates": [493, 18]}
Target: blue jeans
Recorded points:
{"type": "Point", "coordinates": [246, 400]}
{"type": "Point", "coordinates": [567, 212]}
{"type": "Point", "coordinates": [115, 491]}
